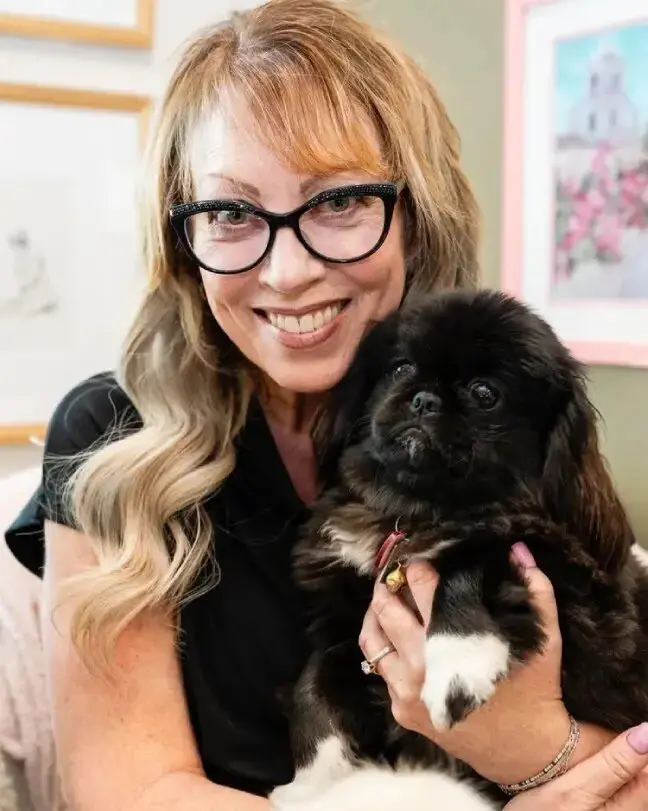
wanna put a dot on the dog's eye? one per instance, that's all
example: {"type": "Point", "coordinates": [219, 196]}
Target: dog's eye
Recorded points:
{"type": "Point", "coordinates": [484, 394]}
{"type": "Point", "coordinates": [403, 369]}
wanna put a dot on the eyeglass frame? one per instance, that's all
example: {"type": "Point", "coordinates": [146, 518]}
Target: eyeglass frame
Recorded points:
{"type": "Point", "coordinates": [179, 215]}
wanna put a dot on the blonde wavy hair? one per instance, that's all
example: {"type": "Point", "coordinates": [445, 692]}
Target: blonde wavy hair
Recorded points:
{"type": "Point", "coordinates": [310, 72]}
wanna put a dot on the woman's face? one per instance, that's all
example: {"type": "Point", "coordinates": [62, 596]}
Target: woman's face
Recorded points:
{"type": "Point", "coordinates": [296, 317]}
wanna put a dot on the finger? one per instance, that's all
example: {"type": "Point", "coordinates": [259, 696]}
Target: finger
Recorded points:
{"type": "Point", "coordinates": [399, 624]}
{"type": "Point", "coordinates": [372, 640]}
{"type": "Point", "coordinates": [597, 779]}
{"type": "Point", "coordinates": [422, 580]}
{"type": "Point", "coordinates": [632, 797]}
{"type": "Point", "coordinates": [372, 637]}
{"type": "Point", "coordinates": [540, 589]}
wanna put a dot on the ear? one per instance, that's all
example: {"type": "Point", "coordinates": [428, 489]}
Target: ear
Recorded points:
{"type": "Point", "coordinates": [345, 416]}
{"type": "Point", "coordinates": [578, 488]}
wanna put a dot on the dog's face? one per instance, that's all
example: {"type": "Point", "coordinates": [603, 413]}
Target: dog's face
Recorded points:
{"type": "Point", "coordinates": [460, 394]}
{"type": "Point", "coordinates": [464, 400]}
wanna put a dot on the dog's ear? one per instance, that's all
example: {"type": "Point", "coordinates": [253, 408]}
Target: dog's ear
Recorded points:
{"type": "Point", "coordinates": [578, 488]}
{"type": "Point", "coordinates": [345, 415]}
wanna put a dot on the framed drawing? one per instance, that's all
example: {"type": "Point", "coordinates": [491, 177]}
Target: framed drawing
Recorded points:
{"type": "Point", "coordinates": [127, 23]}
{"type": "Point", "coordinates": [68, 243]}
{"type": "Point", "coordinates": [575, 236]}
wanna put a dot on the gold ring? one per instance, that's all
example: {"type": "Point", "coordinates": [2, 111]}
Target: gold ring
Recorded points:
{"type": "Point", "coordinates": [369, 665]}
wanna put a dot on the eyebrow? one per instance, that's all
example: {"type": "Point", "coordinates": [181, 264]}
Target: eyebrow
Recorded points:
{"type": "Point", "coordinates": [247, 188]}
{"type": "Point", "coordinates": [239, 185]}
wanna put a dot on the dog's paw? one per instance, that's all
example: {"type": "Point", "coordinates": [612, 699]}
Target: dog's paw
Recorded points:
{"type": "Point", "coordinates": [461, 673]}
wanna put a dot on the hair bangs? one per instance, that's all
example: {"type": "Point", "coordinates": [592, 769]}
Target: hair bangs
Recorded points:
{"type": "Point", "coordinates": [315, 126]}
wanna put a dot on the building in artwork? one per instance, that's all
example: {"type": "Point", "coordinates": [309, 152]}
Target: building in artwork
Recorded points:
{"type": "Point", "coordinates": [605, 113]}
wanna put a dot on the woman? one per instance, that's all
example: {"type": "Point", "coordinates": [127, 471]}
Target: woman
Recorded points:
{"type": "Point", "coordinates": [170, 651]}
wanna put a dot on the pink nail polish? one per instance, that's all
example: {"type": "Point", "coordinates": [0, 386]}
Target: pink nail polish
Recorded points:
{"type": "Point", "coordinates": [523, 556]}
{"type": "Point", "coordinates": [638, 739]}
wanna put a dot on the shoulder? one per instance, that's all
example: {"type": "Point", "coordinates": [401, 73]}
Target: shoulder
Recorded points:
{"type": "Point", "coordinates": [93, 413]}
{"type": "Point", "coordinates": [90, 411]}
{"type": "Point", "coordinates": [94, 410]}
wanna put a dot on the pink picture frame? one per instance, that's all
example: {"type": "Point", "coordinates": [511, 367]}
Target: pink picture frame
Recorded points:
{"type": "Point", "coordinates": [575, 172]}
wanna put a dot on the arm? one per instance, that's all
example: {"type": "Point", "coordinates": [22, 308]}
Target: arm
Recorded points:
{"type": "Point", "coordinates": [125, 743]}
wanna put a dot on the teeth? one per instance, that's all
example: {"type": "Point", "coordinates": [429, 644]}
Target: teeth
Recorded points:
{"type": "Point", "coordinates": [306, 323]}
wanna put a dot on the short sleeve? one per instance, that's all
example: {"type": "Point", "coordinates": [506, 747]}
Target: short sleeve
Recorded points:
{"type": "Point", "coordinates": [92, 411]}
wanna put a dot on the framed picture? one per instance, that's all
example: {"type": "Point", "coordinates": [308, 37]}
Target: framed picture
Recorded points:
{"type": "Point", "coordinates": [69, 249]}
{"type": "Point", "coordinates": [575, 238]}
{"type": "Point", "coordinates": [127, 23]}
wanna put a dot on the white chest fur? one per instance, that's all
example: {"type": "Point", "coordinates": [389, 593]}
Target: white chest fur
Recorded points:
{"type": "Point", "coordinates": [352, 544]}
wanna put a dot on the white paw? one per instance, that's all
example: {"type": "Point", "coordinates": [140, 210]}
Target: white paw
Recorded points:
{"type": "Point", "coordinates": [329, 765]}
{"type": "Point", "coordinates": [461, 673]}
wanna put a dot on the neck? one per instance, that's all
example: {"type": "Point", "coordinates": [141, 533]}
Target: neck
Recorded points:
{"type": "Point", "coordinates": [290, 417]}
{"type": "Point", "coordinates": [290, 411]}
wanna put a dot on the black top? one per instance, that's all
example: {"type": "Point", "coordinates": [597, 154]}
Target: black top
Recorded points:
{"type": "Point", "coordinates": [243, 641]}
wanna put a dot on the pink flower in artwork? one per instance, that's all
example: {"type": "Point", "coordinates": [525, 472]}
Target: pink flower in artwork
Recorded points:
{"type": "Point", "coordinates": [585, 208]}
{"type": "Point", "coordinates": [578, 226]}
{"type": "Point", "coordinates": [633, 197]}
{"type": "Point", "coordinates": [607, 235]}
{"type": "Point", "coordinates": [593, 211]}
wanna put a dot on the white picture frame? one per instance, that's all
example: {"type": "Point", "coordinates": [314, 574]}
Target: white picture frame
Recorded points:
{"type": "Point", "coordinates": [69, 246]}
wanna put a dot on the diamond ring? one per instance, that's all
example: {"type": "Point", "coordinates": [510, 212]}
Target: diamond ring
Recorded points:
{"type": "Point", "coordinates": [369, 665]}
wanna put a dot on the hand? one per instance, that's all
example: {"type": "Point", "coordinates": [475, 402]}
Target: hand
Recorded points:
{"type": "Point", "coordinates": [520, 729]}
{"type": "Point", "coordinates": [615, 779]}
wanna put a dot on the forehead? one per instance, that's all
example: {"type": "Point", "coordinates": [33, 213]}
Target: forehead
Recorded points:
{"type": "Point", "coordinates": [223, 140]}
{"type": "Point", "coordinates": [228, 139]}
{"type": "Point", "coordinates": [460, 339]}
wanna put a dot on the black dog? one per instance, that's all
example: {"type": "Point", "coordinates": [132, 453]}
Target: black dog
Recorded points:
{"type": "Point", "coordinates": [462, 427]}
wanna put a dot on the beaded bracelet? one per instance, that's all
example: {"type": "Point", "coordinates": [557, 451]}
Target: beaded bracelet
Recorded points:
{"type": "Point", "coordinates": [557, 766]}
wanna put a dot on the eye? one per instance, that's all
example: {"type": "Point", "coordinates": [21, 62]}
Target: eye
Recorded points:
{"type": "Point", "coordinates": [485, 395]}
{"type": "Point", "coordinates": [339, 204]}
{"type": "Point", "coordinates": [402, 370]}
{"type": "Point", "coordinates": [228, 217]}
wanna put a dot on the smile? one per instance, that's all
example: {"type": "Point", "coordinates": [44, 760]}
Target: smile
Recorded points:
{"type": "Point", "coordinates": [310, 321]}
{"type": "Point", "coordinates": [307, 328]}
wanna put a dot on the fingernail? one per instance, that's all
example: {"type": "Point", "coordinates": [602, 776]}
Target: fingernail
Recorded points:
{"type": "Point", "coordinates": [638, 739]}
{"type": "Point", "coordinates": [523, 556]}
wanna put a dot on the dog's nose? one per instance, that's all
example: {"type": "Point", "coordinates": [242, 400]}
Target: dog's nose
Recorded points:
{"type": "Point", "coordinates": [425, 403]}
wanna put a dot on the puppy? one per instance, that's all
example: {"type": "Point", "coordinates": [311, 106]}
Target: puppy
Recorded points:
{"type": "Point", "coordinates": [462, 427]}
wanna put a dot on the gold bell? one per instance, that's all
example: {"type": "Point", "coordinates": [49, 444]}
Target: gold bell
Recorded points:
{"type": "Point", "coordinates": [396, 579]}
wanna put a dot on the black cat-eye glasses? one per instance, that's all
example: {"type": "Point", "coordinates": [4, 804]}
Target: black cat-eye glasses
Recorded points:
{"type": "Point", "coordinates": [341, 225]}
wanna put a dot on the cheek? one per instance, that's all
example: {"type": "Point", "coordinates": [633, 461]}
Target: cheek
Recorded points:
{"type": "Point", "coordinates": [225, 294]}
{"type": "Point", "coordinates": [394, 263]}
{"type": "Point", "coordinates": [383, 274]}
{"type": "Point", "coordinates": [511, 444]}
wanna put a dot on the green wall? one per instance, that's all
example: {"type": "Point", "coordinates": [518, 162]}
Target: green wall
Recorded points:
{"type": "Point", "coordinates": [461, 44]}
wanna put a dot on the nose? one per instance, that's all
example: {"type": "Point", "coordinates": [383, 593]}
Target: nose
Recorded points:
{"type": "Point", "coordinates": [424, 403]}
{"type": "Point", "coordinates": [290, 268]}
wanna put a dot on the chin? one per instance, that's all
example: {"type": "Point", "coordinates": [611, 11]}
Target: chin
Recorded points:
{"type": "Point", "coordinates": [314, 378]}
{"type": "Point", "coordinates": [461, 427]}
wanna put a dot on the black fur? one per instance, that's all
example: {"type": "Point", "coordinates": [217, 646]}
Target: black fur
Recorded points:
{"type": "Point", "coordinates": [409, 441]}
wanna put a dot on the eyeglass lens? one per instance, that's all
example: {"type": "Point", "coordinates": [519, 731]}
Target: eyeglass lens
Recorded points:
{"type": "Point", "coordinates": [343, 228]}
